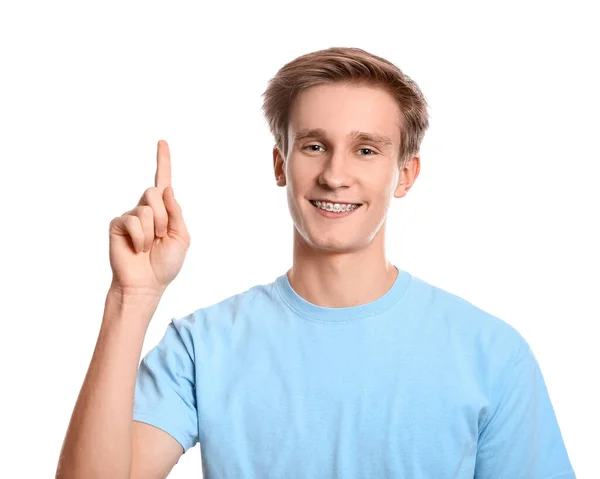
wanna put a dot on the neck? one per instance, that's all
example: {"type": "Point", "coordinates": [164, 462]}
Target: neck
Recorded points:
{"type": "Point", "coordinates": [340, 280]}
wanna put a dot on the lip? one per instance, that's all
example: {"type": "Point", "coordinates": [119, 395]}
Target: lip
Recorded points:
{"type": "Point", "coordinates": [333, 215]}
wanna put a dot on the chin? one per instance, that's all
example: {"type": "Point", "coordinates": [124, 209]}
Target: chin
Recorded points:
{"type": "Point", "coordinates": [331, 243]}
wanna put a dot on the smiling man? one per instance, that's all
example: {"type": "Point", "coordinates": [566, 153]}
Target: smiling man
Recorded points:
{"type": "Point", "coordinates": [342, 171]}
{"type": "Point", "coordinates": [346, 365]}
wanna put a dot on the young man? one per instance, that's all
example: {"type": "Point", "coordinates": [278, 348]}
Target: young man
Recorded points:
{"type": "Point", "coordinates": [346, 366]}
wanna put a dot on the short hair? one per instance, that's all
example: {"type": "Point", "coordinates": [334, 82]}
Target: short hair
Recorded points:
{"type": "Point", "coordinates": [347, 65]}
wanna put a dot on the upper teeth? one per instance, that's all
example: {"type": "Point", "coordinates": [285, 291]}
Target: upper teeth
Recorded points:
{"type": "Point", "coordinates": [335, 206]}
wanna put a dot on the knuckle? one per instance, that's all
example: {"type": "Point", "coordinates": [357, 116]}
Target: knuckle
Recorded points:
{"type": "Point", "coordinates": [139, 211]}
{"type": "Point", "coordinates": [114, 223]}
{"type": "Point", "coordinates": [147, 211]}
{"type": "Point", "coordinates": [150, 193]}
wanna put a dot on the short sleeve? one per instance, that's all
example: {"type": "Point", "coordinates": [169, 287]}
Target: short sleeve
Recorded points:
{"type": "Point", "coordinates": [165, 389]}
{"type": "Point", "coordinates": [522, 438]}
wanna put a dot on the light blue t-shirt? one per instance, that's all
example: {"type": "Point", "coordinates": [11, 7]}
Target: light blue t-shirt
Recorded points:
{"type": "Point", "coordinates": [416, 384]}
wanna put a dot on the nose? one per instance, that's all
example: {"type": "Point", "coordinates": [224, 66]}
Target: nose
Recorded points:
{"type": "Point", "coordinates": [335, 172]}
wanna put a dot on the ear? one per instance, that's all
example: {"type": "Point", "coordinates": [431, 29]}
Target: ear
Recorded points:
{"type": "Point", "coordinates": [407, 177]}
{"type": "Point", "coordinates": [278, 167]}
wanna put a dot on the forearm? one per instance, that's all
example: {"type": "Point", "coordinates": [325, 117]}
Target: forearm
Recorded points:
{"type": "Point", "coordinates": [98, 439]}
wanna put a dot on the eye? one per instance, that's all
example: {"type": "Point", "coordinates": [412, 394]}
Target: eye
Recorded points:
{"type": "Point", "coordinates": [311, 146]}
{"type": "Point", "coordinates": [315, 148]}
{"type": "Point", "coordinates": [367, 149]}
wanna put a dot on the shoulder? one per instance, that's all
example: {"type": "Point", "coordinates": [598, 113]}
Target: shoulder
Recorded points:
{"type": "Point", "coordinates": [460, 320]}
{"type": "Point", "coordinates": [231, 311]}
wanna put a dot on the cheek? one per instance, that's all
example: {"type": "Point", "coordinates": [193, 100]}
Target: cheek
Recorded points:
{"type": "Point", "coordinates": [380, 198]}
{"type": "Point", "coordinates": [300, 176]}
{"type": "Point", "coordinates": [295, 165]}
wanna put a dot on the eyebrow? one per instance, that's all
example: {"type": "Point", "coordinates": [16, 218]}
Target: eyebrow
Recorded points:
{"type": "Point", "coordinates": [355, 134]}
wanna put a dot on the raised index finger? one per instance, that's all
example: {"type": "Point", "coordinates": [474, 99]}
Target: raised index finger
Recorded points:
{"type": "Point", "coordinates": [163, 166]}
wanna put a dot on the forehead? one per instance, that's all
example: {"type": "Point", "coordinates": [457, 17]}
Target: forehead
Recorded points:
{"type": "Point", "coordinates": [341, 108]}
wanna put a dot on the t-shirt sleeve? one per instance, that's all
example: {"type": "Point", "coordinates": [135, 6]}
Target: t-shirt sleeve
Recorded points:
{"type": "Point", "coordinates": [522, 438]}
{"type": "Point", "coordinates": [165, 389]}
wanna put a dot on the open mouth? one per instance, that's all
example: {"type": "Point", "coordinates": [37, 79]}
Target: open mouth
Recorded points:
{"type": "Point", "coordinates": [335, 208]}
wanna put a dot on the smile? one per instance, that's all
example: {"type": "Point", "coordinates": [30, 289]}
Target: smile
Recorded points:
{"type": "Point", "coordinates": [335, 210]}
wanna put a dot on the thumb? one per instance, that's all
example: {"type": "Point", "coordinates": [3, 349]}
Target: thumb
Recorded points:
{"type": "Point", "coordinates": [175, 223]}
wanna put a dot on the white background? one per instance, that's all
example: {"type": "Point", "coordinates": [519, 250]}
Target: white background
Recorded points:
{"type": "Point", "coordinates": [503, 214]}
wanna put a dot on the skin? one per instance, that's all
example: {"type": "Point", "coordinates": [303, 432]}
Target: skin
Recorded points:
{"type": "Point", "coordinates": [341, 262]}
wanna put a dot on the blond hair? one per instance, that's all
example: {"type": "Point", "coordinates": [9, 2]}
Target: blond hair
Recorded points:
{"type": "Point", "coordinates": [351, 65]}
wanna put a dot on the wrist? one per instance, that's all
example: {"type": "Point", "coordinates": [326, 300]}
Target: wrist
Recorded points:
{"type": "Point", "coordinates": [132, 294]}
{"type": "Point", "coordinates": [134, 297]}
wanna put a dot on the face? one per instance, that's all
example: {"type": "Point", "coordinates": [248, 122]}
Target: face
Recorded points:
{"type": "Point", "coordinates": [343, 145]}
